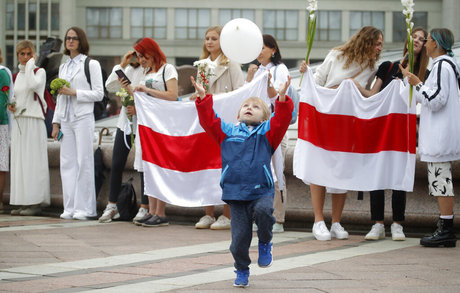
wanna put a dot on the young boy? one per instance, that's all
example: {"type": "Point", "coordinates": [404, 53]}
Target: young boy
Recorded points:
{"type": "Point", "coordinates": [247, 183]}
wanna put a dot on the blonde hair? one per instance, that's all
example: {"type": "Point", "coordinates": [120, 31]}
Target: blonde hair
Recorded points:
{"type": "Point", "coordinates": [359, 47]}
{"type": "Point", "coordinates": [259, 102]}
{"type": "Point", "coordinates": [223, 60]}
{"type": "Point", "coordinates": [26, 44]}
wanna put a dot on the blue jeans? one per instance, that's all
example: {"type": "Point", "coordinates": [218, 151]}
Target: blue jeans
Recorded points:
{"type": "Point", "coordinates": [243, 213]}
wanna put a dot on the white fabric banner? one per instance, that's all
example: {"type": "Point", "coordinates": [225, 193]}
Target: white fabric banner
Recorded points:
{"type": "Point", "coordinates": [350, 142]}
{"type": "Point", "coordinates": [175, 177]}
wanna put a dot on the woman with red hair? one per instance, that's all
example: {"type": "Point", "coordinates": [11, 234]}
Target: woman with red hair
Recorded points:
{"type": "Point", "coordinates": [160, 82]}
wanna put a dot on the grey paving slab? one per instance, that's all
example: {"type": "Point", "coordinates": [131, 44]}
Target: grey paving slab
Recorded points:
{"type": "Point", "coordinates": [55, 256]}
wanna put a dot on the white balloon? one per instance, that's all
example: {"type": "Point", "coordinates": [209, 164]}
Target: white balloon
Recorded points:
{"type": "Point", "coordinates": [241, 40]}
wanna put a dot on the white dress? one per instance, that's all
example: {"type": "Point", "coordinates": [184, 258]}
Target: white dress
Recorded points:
{"type": "Point", "coordinates": [30, 183]}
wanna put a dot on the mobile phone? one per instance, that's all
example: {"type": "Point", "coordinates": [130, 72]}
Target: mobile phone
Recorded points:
{"type": "Point", "coordinates": [122, 75]}
{"type": "Point", "coordinates": [60, 135]}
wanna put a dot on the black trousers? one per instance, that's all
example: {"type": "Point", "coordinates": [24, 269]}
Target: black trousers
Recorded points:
{"type": "Point", "coordinates": [398, 204]}
{"type": "Point", "coordinates": [119, 156]}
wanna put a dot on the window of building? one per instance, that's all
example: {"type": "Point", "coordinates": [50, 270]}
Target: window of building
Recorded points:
{"type": "Point", "coordinates": [399, 24]}
{"type": "Point", "coordinates": [9, 16]}
{"type": "Point", "coordinates": [32, 16]}
{"type": "Point", "coordinates": [282, 24]}
{"type": "Point", "coordinates": [191, 24]}
{"type": "Point", "coordinates": [358, 19]}
{"type": "Point", "coordinates": [104, 22]}
{"type": "Point", "coordinates": [328, 25]}
{"type": "Point", "coordinates": [225, 15]}
{"type": "Point", "coordinates": [148, 22]}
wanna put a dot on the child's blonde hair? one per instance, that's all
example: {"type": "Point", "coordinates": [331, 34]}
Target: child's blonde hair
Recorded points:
{"type": "Point", "coordinates": [261, 103]}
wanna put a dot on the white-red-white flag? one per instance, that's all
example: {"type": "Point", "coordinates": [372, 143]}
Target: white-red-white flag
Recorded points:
{"type": "Point", "coordinates": [349, 142]}
{"type": "Point", "coordinates": [182, 165]}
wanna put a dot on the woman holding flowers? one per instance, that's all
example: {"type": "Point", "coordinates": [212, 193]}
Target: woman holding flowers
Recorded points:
{"type": "Point", "coordinates": [6, 93]}
{"type": "Point", "coordinates": [126, 129]}
{"type": "Point", "coordinates": [218, 75]}
{"type": "Point", "coordinates": [439, 131]}
{"type": "Point", "coordinates": [74, 117]}
{"type": "Point", "coordinates": [30, 183]}
{"type": "Point", "coordinates": [270, 60]}
{"type": "Point", "coordinates": [355, 59]}
{"type": "Point", "coordinates": [387, 72]}
{"type": "Point", "coordinates": [160, 82]}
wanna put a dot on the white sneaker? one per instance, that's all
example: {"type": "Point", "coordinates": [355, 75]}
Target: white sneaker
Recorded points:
{"type": "Point", "coordinates": [337, 231]}
{"type": "Point", "coordinates": [66, 216]}
{"type": "Point", "coordinates": [397, 233]}
{"type": "Point", "coordinates": [278, 228]}
{"type": "Point", "coordinates": [377, 232]}
{"type": "Point", "coordinates": [80, 217]}
{"type": "Point", "coordinates": [140, 214]}
{"type": "Point", "coordinates": [222, 223]}
{"type": "Point", "coordinates": [254, 227]}
{"type": "Point", "coordinates": [320, 231]}
{"type": "Point", "coordinates": [205, 222]}
{"type": "Point", "coordinates": [110, 212]}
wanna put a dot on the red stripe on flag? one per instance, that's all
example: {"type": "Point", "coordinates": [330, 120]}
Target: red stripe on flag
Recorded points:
{"type": "Point", "coordinates": [181, 153]}
{"type": "Point", "coordinates": [344, 133]}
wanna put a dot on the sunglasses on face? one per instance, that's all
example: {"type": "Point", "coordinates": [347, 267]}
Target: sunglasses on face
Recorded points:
{"type": "Point", "coordinates": [71, 38]}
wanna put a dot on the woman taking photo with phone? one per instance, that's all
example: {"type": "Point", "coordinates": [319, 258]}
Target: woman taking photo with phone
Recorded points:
{"type": "Point", "coordinates": [130, 68]}
{"type": "Point", "coordinates": [74, 117]}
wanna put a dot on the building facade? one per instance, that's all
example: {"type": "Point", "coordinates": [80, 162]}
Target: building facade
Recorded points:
{"type": "Point", "coordinates": [113, 26]}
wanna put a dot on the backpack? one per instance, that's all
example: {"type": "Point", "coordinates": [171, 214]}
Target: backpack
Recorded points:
{"type": "Point", "coordinates": [294, 95]}
{"type": "Point", "coordinates": [48, 113]}
{"type": "Point", "coordinates": [100, 108]}
{"type": "Point", "coordinates": [127, 202]}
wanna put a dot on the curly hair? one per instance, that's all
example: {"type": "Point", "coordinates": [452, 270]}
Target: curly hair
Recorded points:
{"type": "Point", "coordinates": [360, 47]}
{"type": "Point", "coordinates": [205, 53]}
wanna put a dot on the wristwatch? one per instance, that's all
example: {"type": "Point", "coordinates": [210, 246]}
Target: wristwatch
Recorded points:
{"type": "Point", "coordinates": [418, 86]}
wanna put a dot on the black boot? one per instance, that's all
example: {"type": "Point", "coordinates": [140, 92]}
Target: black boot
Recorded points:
{"type": "Point", "coordinates": [444, 235]}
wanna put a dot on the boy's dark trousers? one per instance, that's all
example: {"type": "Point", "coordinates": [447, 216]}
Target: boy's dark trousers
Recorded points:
{"type": "Point", "coordinates": [243, 213]}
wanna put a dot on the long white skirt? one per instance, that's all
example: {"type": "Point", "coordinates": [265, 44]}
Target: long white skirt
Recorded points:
{"type": "Point", "coordinates": [30, 179]}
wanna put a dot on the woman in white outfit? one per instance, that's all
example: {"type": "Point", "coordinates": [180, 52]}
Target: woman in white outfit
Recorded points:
{"type": "Point", "coordinates": [226, 77]}
{"type": "Point", "coordinates": [74, 116]}
{"type": "Point", "coordinates": [30, 184]}
{"type": "Point", "coordinates": [270, 60]}
{"type": "Point", "coordinates": [439, 132]}
{"type": "Point", "coordinates": [355, 59]}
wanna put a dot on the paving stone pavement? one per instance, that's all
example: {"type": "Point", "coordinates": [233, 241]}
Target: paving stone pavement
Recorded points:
{"type": "Point", "coordinates": [47, 254]}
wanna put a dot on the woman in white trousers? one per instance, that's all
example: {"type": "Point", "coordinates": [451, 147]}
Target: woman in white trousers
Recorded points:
{"type": "Point", "coordinates": [74, 117]}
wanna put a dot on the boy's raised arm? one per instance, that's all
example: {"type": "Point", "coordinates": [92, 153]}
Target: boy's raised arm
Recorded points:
{"type": "Point", "coordinates": [208, 118]}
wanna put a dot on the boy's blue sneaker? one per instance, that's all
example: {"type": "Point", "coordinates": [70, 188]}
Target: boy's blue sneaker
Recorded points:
{"type": "Point", "coordinates": [241, 278]}
{"type": "Point", "coordinates": [265, 254]}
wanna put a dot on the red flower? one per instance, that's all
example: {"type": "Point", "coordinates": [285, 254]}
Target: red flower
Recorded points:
{"type": "Point", "coordinates": [5, 89]}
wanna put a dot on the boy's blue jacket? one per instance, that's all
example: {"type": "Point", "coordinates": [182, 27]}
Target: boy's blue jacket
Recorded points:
{"type": "Point", "coordinates": [246, 155]}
